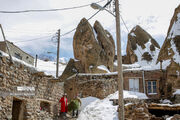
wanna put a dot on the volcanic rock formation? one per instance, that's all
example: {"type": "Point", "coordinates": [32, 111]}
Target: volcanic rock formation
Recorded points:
{"type": "Point", "coordinates": [170, 51]}
{"type": "Point", "coordinates": [93, 47]}
{"type": "Point", "coordinates": [171, 47]}
{"type": "Point", "coordinates": [141, 46]}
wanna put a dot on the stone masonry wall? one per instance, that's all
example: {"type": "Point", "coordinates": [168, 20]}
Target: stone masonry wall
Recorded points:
{"type": "Point", "coordinates": [46, 90]}
{"type": "Point", "coordinates": [94, 85]}
{"type": "Point", "coordinates": [101, 85]}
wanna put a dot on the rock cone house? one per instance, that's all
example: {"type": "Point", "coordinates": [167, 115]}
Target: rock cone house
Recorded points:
{"type": "Point", "coordinates": [26, 94]}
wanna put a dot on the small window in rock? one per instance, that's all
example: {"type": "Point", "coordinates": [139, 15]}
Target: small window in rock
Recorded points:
{"type": "Point", "coordinates": [45, 106]}
{"type": "Point", "coordinates": [27, 57]}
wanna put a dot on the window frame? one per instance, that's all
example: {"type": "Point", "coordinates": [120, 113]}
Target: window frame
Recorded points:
{"type": "Point", "coordinates": [18, 55]}
{"type": "Point", "coordinates": [152, 87]}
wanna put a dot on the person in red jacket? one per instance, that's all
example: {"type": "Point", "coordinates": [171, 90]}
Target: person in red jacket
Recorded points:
{"type": "Point", "coordinates": [63, 102]}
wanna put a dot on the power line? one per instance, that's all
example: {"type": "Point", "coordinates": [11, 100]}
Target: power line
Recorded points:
{"type": "Point", "coordinates": [33, 32]}
{"type": "Point", "coordinates": [87, 19]}
{"type": "Point", "coordinates": [62, 34]}
{"type": "Point", "coordinates": [68, 31]}
{"type": "Point", "coordinates": [49, 10]}
{"type": "Point", "coordinates": [82, 23]}
{"type": "Point", "coordinates": [32, 39]}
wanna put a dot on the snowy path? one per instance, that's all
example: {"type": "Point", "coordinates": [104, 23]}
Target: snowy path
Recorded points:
{"type": "Point", "coordinates": [98, 109]}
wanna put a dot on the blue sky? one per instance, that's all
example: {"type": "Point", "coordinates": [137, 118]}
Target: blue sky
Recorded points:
{"type": "Point", "coordinates": [152, 15]}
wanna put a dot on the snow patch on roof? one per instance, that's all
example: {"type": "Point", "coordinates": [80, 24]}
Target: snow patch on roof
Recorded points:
{"type": "Point", "coordinates": [132, 34]}
{"type": "Point", "coordinates": [176, 56]}
{"type": "Point", "coordinates": [102, 67]}
{"type": "Point", "coordinates": [177, 92]}
{"type": "Point", "coordinates": [88, 74]}
{"type": "Point", "coordinates": [17, 60]}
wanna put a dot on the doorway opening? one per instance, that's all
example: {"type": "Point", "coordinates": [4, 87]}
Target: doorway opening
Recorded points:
{"type": "Point", "coordinates": [160, 112]}
{"type": "Point", "coordinates": [45, 106]}
{"type": "Point", "coordinates": [18, 109]}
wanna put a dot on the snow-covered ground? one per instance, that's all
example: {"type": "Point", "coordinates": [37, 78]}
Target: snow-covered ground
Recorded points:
{"type": "Point", "coordinates": [95, 109]}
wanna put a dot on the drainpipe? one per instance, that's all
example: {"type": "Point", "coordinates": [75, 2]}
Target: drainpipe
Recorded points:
{"type": "Point", "coordinates": [161, 65]}
{"type": "Point", "coordinates": [144, 82]}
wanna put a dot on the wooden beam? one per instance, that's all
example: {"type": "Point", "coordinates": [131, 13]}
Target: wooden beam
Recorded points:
{"type": "Point", "coordinates": [154, 106]}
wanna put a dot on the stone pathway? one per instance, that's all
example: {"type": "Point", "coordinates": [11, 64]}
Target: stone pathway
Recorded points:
{"type": "Point", "coordinates": [68, 117]}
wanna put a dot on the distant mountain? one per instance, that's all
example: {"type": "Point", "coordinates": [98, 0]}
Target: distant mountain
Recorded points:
{"type": "Point", "coordinates": [141, 47]}
{"type": "Point", "coordinates": [171, 47]}
{"type": "Point", "coordinates": [46, 57]}
{"type": "Point", "coordinates": [63, 60]}
{"type": "Point", "coordinates": [52, 58]}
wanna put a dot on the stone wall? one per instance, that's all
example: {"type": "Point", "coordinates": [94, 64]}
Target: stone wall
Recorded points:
{"type": "Point", "coordinates": [101, 85]}
{"type": "Point", "coordinates": [104, 84]}
{"type": "Point", "coordinates": [173, 77]}
{"type": "Point", "coordinates": [27, 104]}
{"type": "Point", "coordinates": [138, 111]}
{"type": "Point", "coordinates": [96, 85]}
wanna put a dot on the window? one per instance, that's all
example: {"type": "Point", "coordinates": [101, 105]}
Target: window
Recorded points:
{"type": "Point", "coordinates": [151, 86]}
{"type": "Point", "coordinates": [134, 84]}
{"type": "Point", "coordinates": [17, 55]}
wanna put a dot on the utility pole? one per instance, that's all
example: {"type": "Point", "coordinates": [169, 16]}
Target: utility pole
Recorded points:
{"type": "Point", "coordinates": [58, 46]}
{"type": "Point", "coordinates": [119, 58]}
{"type": "Point", "coordinates": [6, 43]}
{"type": "Point", "coordinates": [36, 61]}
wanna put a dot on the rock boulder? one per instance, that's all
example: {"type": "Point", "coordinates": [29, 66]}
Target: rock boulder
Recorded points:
{"type": "Point", "coordinates": [93, 47]}
{"type": "Point", "coordinates": [141, 46]}
{"type": "Point", "coordinates": [169, 54]}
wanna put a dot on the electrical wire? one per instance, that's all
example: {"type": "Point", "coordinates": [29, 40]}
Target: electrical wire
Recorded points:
{"type": "Point", "coordinates": [68, 31]}
{"type": "Point", "coordinates": [32, 32]}
{"type": "Point", "coordinates": [49, 10]}
{"type": "Point", "coordinates": [33, 39]}
{"type": "Point", "coordinates": [87, 19]}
